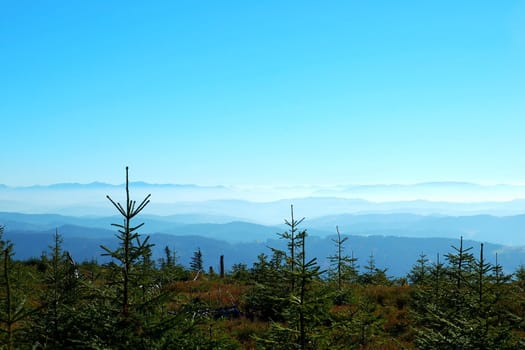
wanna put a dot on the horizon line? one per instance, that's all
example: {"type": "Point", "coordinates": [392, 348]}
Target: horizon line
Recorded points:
{"type": "Point", "coordinates": [262, 186]}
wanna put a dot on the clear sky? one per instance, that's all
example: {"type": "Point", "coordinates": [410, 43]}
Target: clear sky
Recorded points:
{"type": "Point", "coordinates": [262, 92]}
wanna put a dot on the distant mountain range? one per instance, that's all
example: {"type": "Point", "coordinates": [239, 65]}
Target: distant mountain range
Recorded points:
{"type": "Point", "coordinates": [431, 191]}
{"type": "Point", "coordinates": [394, 222]}
{"type": "Point", "coordinates": [268, 205]}
{"type": "Point", "coordinates": [506, 230]}
{"type": "Point", "coordinates": [103, 185]}
{"type": "Point", "coordinates": [394, 240]}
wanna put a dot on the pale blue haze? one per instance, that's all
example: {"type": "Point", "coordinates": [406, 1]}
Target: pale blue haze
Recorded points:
{"type": "Point", "coordinates": [262, 92]}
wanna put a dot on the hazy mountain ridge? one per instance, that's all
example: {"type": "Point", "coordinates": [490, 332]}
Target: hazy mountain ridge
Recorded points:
{"type": "Point", "coordinates": [97, 184]}
{"type": "Point", "coordinates": [364, 191]}
{"type": "Point", "coordinates": [237, 223]}
{"type": "Point", "coordinates": [438, 184]}
{"type": "Point", "coordinates": [398, 254]}
{"type": "Point", "coordinates": [272, 212]}
{"type": "Point", "coordinates": [394, 240]}
{"type": "Point", "coordinates": [231, 231]}
{"type": "Point", "coordinates": [506, 230]}
{"type": "Point", "coordinates": [267, 205]}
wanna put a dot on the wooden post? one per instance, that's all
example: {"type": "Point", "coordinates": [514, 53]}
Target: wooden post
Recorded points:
{"type": "Point", "coordinates": [222, 266]}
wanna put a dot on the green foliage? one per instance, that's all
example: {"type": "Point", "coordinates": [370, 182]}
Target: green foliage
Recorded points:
{"type": "Point", "coordinates": [169, 260]}
{"type": "Point", "coordinates": [421, 271]}
{"type": "Point", "coordinates": [240, 272]}
{"type": "Point", "coordinates": [15, 309]}
{"type": "Point", "coordinates": [343, 268]}
{"type": "Point", "coordinates": [361, 325]}
{"type": "Point", "coordinates": [61, 297]}
{"type": "Point", "coordinates": [373, 274]}
{"type": "Point", "coordinates": [196, 264]}
{"type": "Point", "coordinates": [130, 252]}
{"type": "Point", "coordinates": [266, 300]}
{"type": "Point", "coordinates": [519, 278]}
{"type": "Point", "coordinates": [294, 241]}
{"type": "Point", "coordinates": [170, 269]}
{"type": "Point", "coordinates": [131, 286]}
{"type": "Point", "coordinates": [306, 304]}
{"type": "Point", "coordinates": [464, 305]}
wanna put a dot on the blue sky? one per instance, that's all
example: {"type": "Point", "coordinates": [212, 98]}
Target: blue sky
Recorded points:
{"type": "Point", "coordinates": [262, 93]}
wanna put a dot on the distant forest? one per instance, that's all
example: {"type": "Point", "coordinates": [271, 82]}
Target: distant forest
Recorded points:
{"type": "Point", "coordinates": [285, 300]}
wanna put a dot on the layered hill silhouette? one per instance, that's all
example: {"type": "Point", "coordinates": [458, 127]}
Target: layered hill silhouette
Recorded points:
{"type": "Point", "coordinates": [395, 241]}
{"type": "Point", "coordinates": [267, 205]}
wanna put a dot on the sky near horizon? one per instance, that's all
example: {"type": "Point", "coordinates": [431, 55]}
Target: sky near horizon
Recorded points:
{"type": "Point", "coordinates": [262, 93]}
